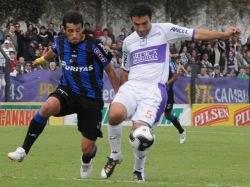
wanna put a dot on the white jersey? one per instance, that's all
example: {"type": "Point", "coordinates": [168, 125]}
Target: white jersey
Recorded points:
{"type": "Point", "coordinates": [147, 59]}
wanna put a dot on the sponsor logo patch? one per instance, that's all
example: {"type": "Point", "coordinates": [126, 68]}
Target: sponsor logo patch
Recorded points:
{"type": "Point", "coordinates": [99, 54]}
{"type": "Point", "coordinates": [209, 115]}
{"type": "Point", "coordinates": [79, 69]}
{"type": "Point", "coordinates": [179, 30]}
{"type": "Point", "coordinates": [155, 54]}
{"type": "Point", "coordinates": [242, 116]}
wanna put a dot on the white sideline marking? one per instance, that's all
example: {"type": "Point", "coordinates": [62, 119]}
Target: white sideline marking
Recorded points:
{"type": "Point", "coordinates": [117, 181]}
{"type": "Point", "coordinates": [213, 132]}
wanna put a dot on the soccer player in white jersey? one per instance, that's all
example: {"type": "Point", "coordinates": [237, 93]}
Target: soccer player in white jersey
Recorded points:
{"type": "Point", "coordinates": [145, 70]}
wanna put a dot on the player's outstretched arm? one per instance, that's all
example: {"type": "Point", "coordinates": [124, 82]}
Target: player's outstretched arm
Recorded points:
{"type": "Point", "coordinates": [112, 77]}
{"type": "Point", "coordinates": [43, 59]}
{"type": "Point", "coordinates": [204, 34]}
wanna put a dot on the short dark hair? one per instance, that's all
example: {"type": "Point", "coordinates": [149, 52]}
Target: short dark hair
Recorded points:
{"type": "Point", "coordinates": [42, 27]}
{"type": "Point", "coordinates": [12, 52]}
{"type": "Point", "coordinates": [72, 17]}
{"type": "Point", "coordinates": [27, 63]}
{"type": "Point", "coordinates": [141, 9]}
{"type": "Point", "coordinates": [105, 29]}
{"type": "Point", "coordinates": [87, 23]}
{"type": "Point", "coordinates": [248, 47]}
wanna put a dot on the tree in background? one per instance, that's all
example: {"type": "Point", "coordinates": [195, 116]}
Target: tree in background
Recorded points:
{"type": "Point", "coordinates": [22, 10]}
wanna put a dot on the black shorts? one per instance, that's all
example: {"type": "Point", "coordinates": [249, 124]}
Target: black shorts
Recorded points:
{"type": "Point", "coordinates": [88, 110]}
{"type": "Point", "coordinates": [170, 102]}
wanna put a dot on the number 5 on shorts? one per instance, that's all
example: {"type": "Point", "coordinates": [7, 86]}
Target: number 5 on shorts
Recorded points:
{"type": "Point", "coordinates": [149, 114]}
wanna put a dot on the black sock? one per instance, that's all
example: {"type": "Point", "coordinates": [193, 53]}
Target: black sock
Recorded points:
{"type": "Point", "coordinates": [86, 157]}
{"type": "Point", "coordinates": [176, 123]}
{"type": "Point", "coordinates": [35, 129]}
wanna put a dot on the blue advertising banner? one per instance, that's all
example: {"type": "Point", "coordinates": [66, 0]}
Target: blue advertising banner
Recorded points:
{"type": "Point", "coordinates": [37, 85]}
{"type": "Point", "coordinates": [212, 90]}
{"type": "Point", "coordinates": [33, 87]}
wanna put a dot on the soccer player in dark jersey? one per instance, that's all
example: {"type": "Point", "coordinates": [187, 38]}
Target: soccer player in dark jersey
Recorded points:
{"type": "Point", "coordinates": [83, 60]}
{"type": "Point", "coordinates": [173, 76]}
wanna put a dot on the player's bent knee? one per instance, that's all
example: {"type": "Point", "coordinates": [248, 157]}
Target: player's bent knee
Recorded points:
{"type": "Point", "coordinates": [116, 117]}
{"type": "Point", "coordinates": [51, 107]}
{"type": "Point", "coordinates": [88, 148]}
{"type": "Point", "coordinates": [117, 113]}
{"type": "Point", "coordinates": [47, 111]}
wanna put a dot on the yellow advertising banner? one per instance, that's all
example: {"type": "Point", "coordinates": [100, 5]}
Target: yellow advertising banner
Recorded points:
{"type": "Point", "coordinates": [221, 114]}
{"type": "Point", "coordinates": [55, 121]}
{"type": "Point", "coordinates": [20, 114]}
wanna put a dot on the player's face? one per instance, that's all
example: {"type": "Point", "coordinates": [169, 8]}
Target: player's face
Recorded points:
{"type": "Point", "coordinates": [142, 25]}
{"type": "Point", "coordinates": [73, 32]}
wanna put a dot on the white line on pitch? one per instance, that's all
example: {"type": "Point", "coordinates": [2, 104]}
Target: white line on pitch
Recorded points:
{"type": "Point", "coordinates": [118, 181]}
{"type": "Point", "coordinates": [214, 132]}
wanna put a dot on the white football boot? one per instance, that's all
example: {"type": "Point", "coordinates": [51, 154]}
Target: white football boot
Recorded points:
{"type": "Point", "coordinates": [109, 167]}
{"type": "Point", "coordinates": [85, 169]}
{"type": "Point", "coordinates": [183, 137]}
{"type": "Point", "coordinates": [138, 176]}
{"type": "Point", "coordinates": [18, 155]}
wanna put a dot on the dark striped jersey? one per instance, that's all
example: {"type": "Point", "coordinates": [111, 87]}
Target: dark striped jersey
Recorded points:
{"type": "Point", "coordinates": [82, 65]}
{"type": "Point", "coordinates": [172, 70]}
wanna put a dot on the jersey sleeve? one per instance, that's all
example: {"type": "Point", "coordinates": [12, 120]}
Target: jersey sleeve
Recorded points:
{"type": "Point", "coordinates": [125, 57]}
{"type": "Point", "coordinates": [173, 67]}
{"type": "Point", "coordinates": [102, 53]}
{"type": "Point", "coordinates": [176, 32]}
{"type": "Point", "coordinates": [56, 46]}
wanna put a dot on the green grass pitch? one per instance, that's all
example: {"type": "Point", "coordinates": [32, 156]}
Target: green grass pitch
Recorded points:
{"type": "Point", "coordinates": [211, 157]}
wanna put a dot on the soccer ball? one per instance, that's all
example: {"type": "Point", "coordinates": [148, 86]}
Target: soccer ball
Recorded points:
{"type": "Point", "coordinates": [141, 138]}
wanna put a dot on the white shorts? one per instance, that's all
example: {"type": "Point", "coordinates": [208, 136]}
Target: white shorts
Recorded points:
{"type": "Point", "coordinates": [143, 101]}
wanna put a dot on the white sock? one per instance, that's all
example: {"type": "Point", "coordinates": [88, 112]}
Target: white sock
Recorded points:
{"type": "Point", "coordinates": [115, 140]}
{"type": "Point", "coordinates": [140, 158]}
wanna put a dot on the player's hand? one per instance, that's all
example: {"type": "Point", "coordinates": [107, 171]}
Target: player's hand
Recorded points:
{"type": "Point", "coordinates": [39, 61]}
{"type": "Point", "coordinates": [233, 32]}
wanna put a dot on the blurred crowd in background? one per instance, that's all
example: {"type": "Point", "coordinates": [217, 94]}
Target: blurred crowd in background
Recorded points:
{"type": "Point", "coordinates": [224, 58]}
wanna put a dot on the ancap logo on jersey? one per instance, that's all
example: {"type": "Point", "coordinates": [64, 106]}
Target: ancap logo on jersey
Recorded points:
{"type": "Point", "coordinates": [179, 30]}
{"type": "Point", "coordinates": [79, 69]}
{"type": "Point", "coordinates": [210, 115]}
